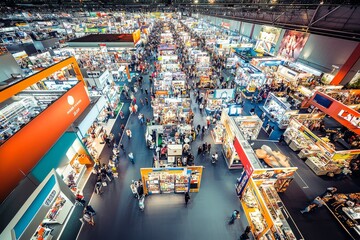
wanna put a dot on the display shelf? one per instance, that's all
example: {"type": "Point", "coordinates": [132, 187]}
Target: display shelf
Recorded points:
{"type": "Point", "coordinates": [275, 206]}
{"type": "Point", "coordinates": [316, 165]}
{"type": "Point", "coordinates": [59, 211]}
{"type": "Point", "coordinates": [347, 215]}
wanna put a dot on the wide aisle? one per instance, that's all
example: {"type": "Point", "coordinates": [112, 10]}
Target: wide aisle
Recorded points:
{"type": "Point", "coordinates": [165, 216]}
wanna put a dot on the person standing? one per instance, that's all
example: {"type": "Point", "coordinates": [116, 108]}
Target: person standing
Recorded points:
{"type": "Point", "coordinates": [187, 198]}
{"type": "Point", "coordinates": [214, 157]}
{"type": "Point", "coordinates": [201, 107]}
{"type": "Point", "coordinates": [271, 130]}
{"type": "Point", "coordinates": [245, 234]}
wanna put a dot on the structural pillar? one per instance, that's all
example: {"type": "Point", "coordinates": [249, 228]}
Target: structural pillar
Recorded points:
{"type": "Point", "coordinates": [345, 69]}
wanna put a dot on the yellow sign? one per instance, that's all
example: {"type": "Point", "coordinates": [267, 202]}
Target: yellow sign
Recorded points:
{"type": "Point", "coordinates": [136, 36]}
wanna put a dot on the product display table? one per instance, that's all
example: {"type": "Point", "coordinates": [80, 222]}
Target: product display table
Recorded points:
{"type": "Point", "coordinates": [316, 166]}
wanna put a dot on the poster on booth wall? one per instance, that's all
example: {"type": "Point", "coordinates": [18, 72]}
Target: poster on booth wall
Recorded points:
{"type": "Point", "coordinates": [292, 44]}
{"type": "Point", "coordinates": [244, 178]}
{"type": "Point", "coordinates": [136, 36]}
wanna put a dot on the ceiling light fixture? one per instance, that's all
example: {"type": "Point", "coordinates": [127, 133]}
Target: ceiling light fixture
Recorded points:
{"type": "Point", "coordinates": [321, 2]}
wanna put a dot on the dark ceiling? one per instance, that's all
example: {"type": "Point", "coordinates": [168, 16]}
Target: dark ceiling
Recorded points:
{"type": "Point", "coordinates": [337, 18]}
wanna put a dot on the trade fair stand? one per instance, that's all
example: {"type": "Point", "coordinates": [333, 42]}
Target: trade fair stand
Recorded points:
{"type": "Point", "coordinates": [171, 180]}
{"type": "Point", "coordinates": [170, 110]}
{"type": "Point", "coordinates": [243, 127]}
{"type": "Point", "coordinates": [278, 109]}
{"type": "Point", "coordinates": [267, 171]}
{"type": "Point", "coordinates": [345, 209]}
{"type": "Point", "coordinates": [321, 155]}
{"type": "Point", "coordinates": [216, 99]}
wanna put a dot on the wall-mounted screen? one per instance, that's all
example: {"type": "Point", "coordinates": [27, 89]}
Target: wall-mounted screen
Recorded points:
{"type": "Point", "coordinates": [323, 101]}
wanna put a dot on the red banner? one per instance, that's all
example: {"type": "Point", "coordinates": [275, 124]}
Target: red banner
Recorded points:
{"type": "Point", "coordinates": [243, 157]}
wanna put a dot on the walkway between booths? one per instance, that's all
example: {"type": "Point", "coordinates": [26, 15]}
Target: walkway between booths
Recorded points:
{"type": "Point", "coordinates": [73, 225]}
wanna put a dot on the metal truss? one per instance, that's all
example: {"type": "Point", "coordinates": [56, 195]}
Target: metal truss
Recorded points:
{"type": "Point", "coordinates": [337, 18]}
{"type": "Point", "coordinates": [332, 19]}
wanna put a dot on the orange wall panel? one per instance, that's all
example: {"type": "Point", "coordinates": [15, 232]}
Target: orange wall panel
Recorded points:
{"type": "Point", "coordinates": [334, 110]}
{"type": "Point", "coordinates": [24, 149]}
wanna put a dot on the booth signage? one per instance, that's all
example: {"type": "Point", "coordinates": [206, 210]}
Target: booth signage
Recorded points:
{"type": "Point", "coordinates": [334, 109]}
{"type": "Point", "coordinates": [242, 183]}
{"type": "Point", "coordinates": [38, 136]}
{"type": "Point", "coordinates": [243, 157]}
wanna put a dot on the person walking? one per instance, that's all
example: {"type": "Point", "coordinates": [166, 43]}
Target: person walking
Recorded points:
{"type": "Point", "coordinates": [187, 198]}
{"type": "Point", "coordinates": [209, 148]}
{"type": "Point", "coordinates": [131, 157]}
{"type": "Point", "coordinates": [208, 123]}
{"type": "Point", "coordinates": [122, 147]}
{"type": "Point", "coordinates": [121, 113]}
{"type": "Point", "coordinates": [146, 101]}
{"type": "Point", "coordinates": [142, 101]}
{"type": "Point", "coordinates": [214, 157]}
{"type": "Point", "coordinates": [129, 133]}
{"type": "Point", "coordinates": [235, 215]}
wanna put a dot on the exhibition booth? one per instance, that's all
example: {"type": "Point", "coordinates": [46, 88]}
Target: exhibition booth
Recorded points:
{"type": "Point", "coordinates": [170, 110]}
{"type": "Point", "coordinates": [217, 99]}
{"type": "Point", "coordinates": [277, 108]}
{"type": "Point", "coordinates": [250, 77]}
{"type": "Point", "coordinates": [345, 209]}
{"type": "Point", "coordinates": [320, 153]}
{"type": "Point", "coordinates": [50, 203]}
{"type": "Point", "coordinates": [244, 127]}
{"type": "Point", "coordinates": [267, 171]}
{"type": "Point", "coordinates": [161, 135]}
{"type": "Point", "coordinates": [265, 212]}
{"type": "Point", "coordinates": [171, 180]}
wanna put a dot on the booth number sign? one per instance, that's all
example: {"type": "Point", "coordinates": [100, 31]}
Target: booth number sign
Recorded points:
{"type": "Point", "coordinates": [50, 198]}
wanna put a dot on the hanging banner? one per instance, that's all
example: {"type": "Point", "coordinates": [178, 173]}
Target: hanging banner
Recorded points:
{"type": "Point", "coordinates": [292, 44]}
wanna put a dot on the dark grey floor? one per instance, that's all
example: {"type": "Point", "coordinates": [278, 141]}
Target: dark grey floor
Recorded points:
{"type": "Point", "coordinates": [166, 217]}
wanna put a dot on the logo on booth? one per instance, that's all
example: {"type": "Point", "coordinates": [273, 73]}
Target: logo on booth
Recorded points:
{"type": "Point", "coordinates": [71, 100]}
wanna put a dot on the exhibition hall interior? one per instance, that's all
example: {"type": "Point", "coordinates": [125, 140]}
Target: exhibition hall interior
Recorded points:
{"type": "Point", "coordinates": [180, 119]}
